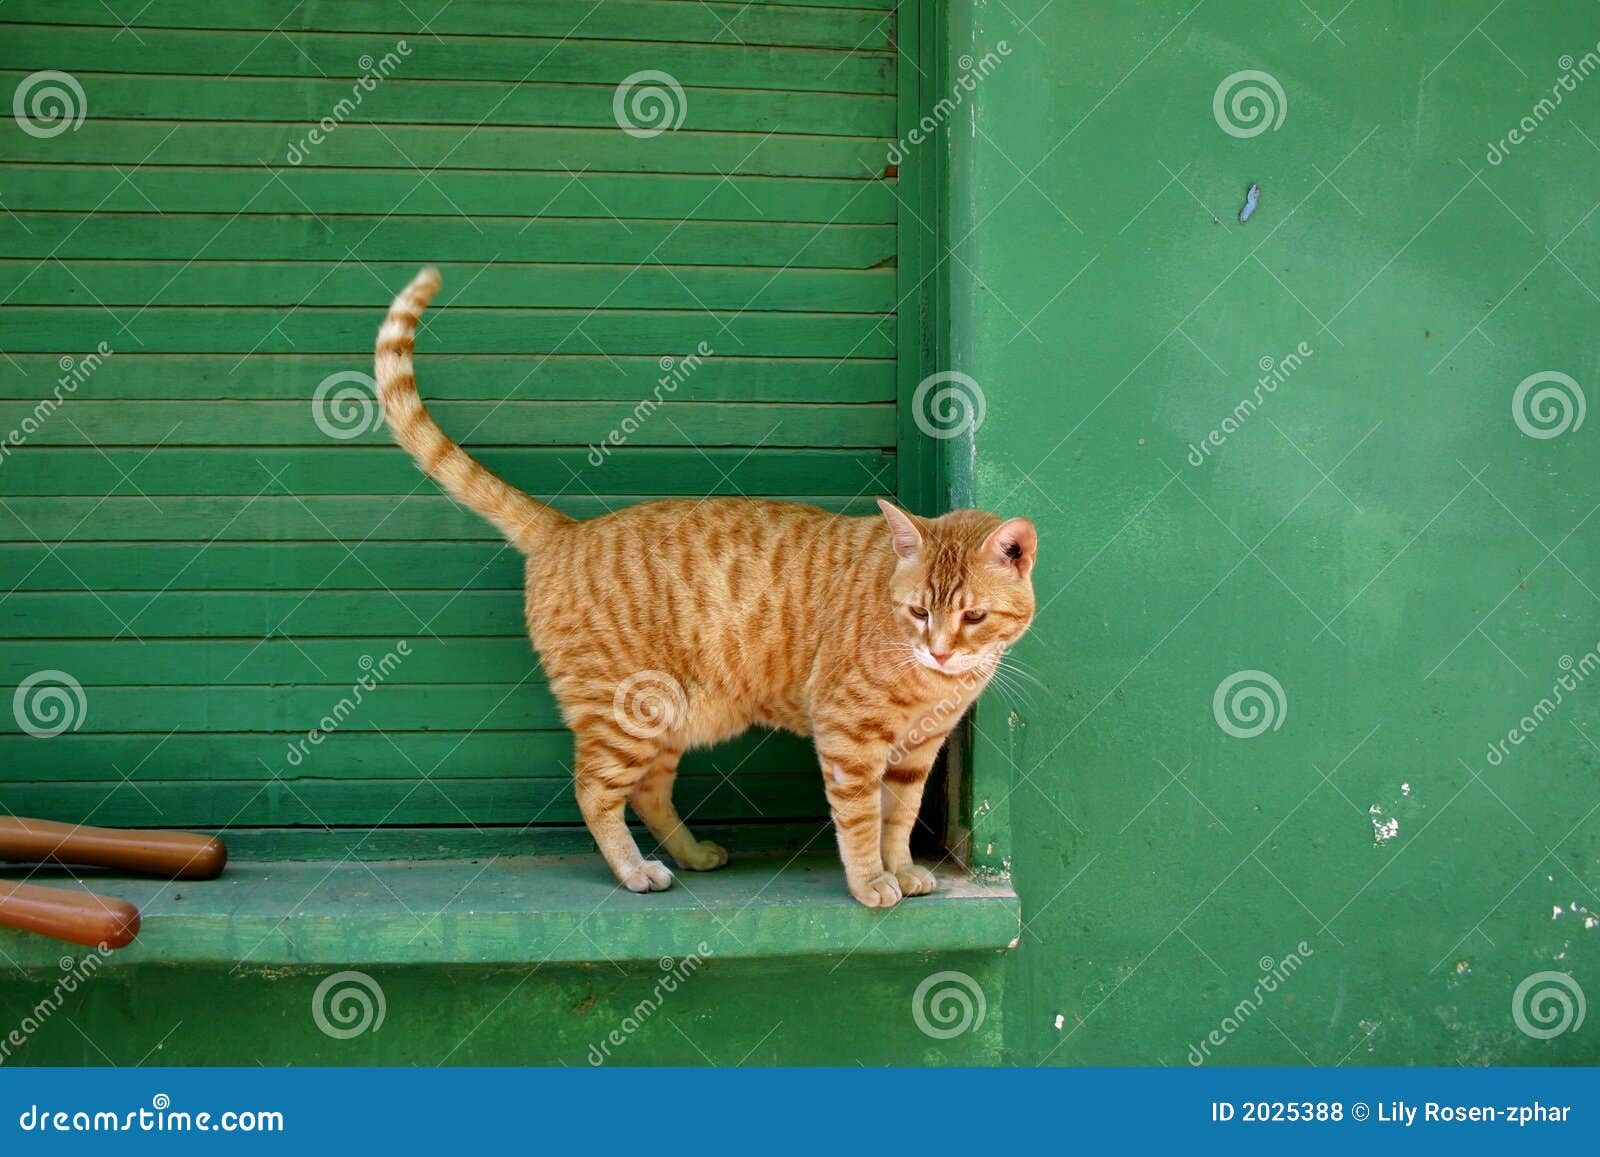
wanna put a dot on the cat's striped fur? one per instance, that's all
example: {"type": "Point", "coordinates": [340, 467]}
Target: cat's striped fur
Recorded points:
{"type": "Point", "coordinates": [676, 624]}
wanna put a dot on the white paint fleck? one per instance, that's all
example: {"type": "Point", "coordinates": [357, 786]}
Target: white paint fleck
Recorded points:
{"type": "Point", "coordinates": [1405, 789]}
{"type": "Point", "coordinates": [1060, 1020]}
{"type": "Point", "coordinates": [1590, 923]}
{"type": "Point", "coordinates": [1383, 829]}
{"type": "Point", "coordinates": [1557, 913]}
{"type": "Point", "coordinates": [1463, 968]}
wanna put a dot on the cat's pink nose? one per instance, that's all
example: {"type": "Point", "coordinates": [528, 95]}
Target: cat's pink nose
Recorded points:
{"type": "Point", "coordinates": [939, 657]}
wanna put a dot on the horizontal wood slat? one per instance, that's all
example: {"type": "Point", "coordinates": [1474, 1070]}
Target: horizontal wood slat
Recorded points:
{"type": "Point", "coordinates": [26, 47]}
{"type": "Point", "coordinates": [723, 21]}
{"type": "Point", "coordinates": [491, 423]}
{"type": "Point", "coordinates": [422, 239]}
{"type": "Point", "coordinates": [111, 614]}
{"type": "Point", "coordinates": [167, 329]}
{"type": "Point", "coordinates": [469, 103]}
{"type": "Point", "coordinates": [448, 376]}
{"type": "Point", "coordinates": [693, 473]}
{"type": "Point", "coordinates": [416, 149]}
{"type": "Point", "coordinates": [214, 755]}
{"type": "Point", "coordinates": [411, 800]}
{"type": "Point", "coordinates": [322, 192]}
{"type": "Point", "coordinates": [428, 517]}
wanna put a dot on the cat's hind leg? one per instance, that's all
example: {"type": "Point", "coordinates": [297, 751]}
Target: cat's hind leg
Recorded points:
{"type": "Point", "coordinates": [608, 768]}
{"type": "Point", "coordinates": [652, 801]}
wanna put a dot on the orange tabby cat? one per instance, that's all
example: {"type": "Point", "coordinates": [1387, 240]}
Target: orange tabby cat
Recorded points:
{"type": "Point", "coordinates": [677, 624]}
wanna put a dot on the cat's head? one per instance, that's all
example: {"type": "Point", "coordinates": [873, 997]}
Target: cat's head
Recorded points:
{"type": "Point", "coordinates": [962, 588]}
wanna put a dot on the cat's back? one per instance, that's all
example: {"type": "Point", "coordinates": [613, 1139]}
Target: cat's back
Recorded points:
{"type": "Point", "coordinates": [732, 591]}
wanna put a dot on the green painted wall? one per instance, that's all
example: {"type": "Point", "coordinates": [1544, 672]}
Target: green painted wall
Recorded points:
{"type": "Point", "coordinates": [1379, 536]}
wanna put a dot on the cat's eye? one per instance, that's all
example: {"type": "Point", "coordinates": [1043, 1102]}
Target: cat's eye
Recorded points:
{"type": "Point", "coordinates": [919, 612]}
{"type": "Point", "coordinates": [976, 616]}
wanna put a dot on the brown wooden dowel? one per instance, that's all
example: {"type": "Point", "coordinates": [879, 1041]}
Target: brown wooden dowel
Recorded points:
{"type": "Point", "coordinates": [80, 917]}
{"type": "Point", "coordinates": [172, 855]}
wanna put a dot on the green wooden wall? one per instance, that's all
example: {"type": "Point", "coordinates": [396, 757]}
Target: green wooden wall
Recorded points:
{"type": "Point", "coordinates": [215, 547]}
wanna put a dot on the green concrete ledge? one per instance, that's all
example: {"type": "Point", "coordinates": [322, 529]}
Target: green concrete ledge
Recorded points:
{"type": "Point", "coordinates": [520, 910]}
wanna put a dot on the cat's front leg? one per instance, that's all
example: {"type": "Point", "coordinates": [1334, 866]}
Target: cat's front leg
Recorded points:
{"type": "Point", "coordinates": [902, 800]}
{"type": "Point", "coordinates": [852, 773]}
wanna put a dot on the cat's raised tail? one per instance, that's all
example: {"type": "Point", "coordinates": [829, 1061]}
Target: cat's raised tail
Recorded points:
{"type": "Point", "coordinates": [522, 519]}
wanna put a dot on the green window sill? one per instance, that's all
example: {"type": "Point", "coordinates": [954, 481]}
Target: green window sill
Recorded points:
{"type": "Point", "coordinates": [497, 909]}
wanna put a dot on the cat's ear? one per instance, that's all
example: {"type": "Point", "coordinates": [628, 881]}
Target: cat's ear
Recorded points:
{"type": "Point", "coordinates": [1013, 544]}
{"type": "Point", "coordinates": [907, 538]}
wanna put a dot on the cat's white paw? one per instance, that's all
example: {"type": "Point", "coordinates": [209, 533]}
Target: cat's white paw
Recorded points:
{"type": "Point", "coordinates": [649, 876]}
{"type": "Point", "coordinates": [705, 856]}
{"type": "Point", "coordinates": [915, 880]}
{"type": "Point", "coordinates": [881, 891]}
